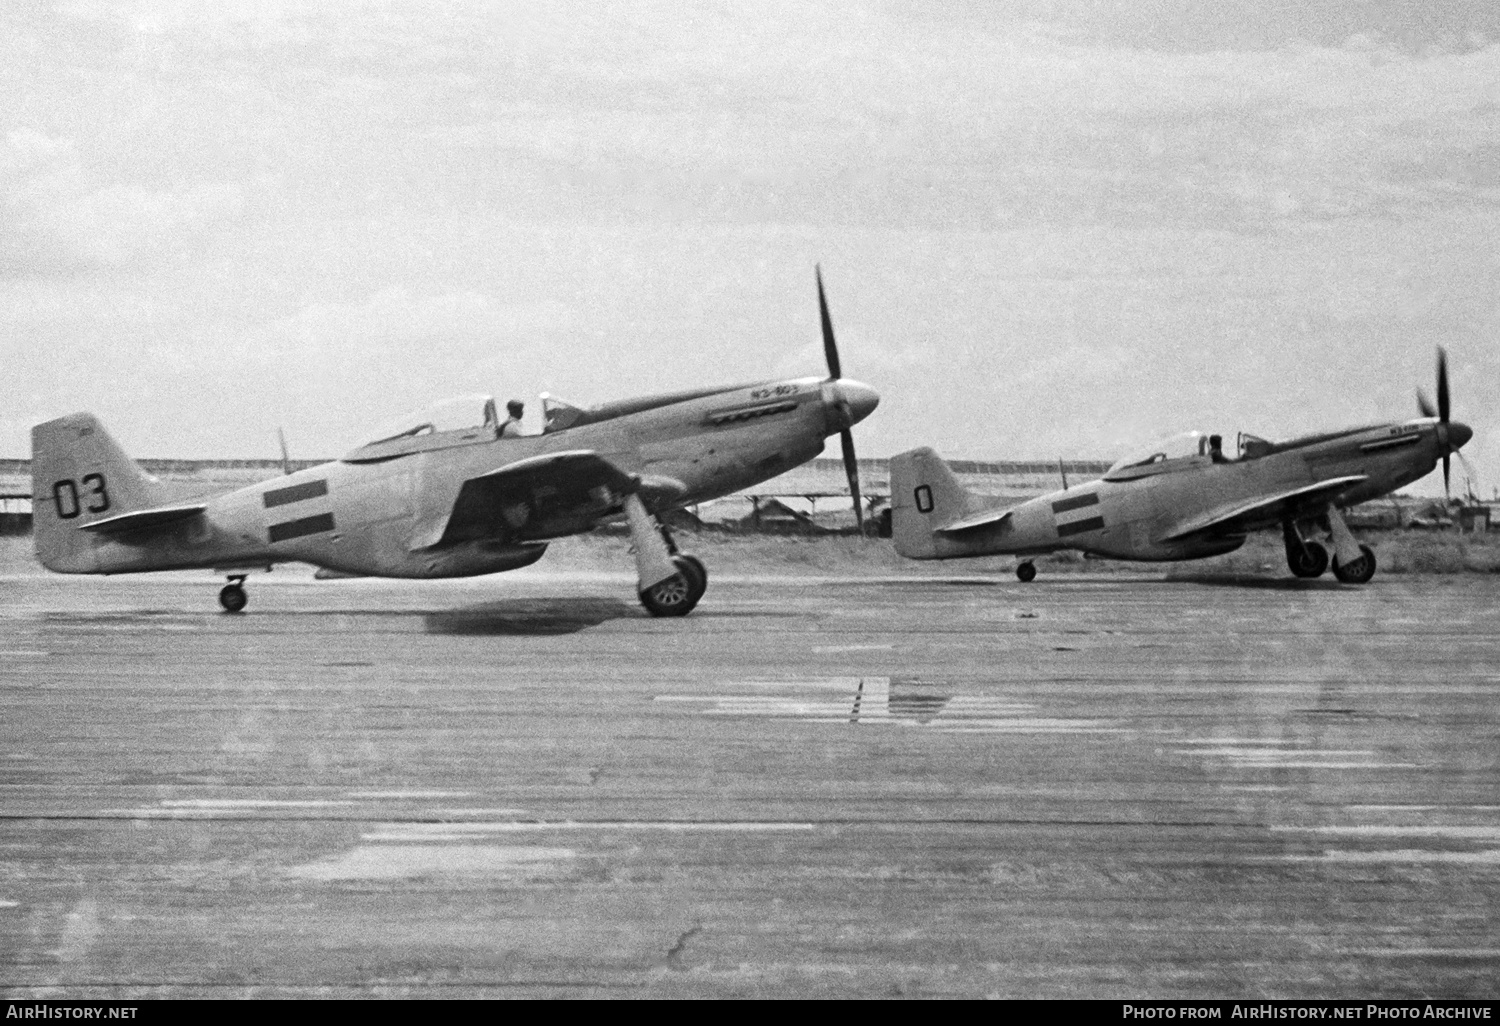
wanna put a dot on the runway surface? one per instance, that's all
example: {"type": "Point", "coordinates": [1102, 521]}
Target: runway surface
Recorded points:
{"type": "Point", "coordinates": [1113, 786]}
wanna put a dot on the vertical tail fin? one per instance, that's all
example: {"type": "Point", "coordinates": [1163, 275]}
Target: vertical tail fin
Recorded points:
{"type": "Point", "coordinates": [80, 474]}
{"type": "Point", "coordinates": [925, 495]}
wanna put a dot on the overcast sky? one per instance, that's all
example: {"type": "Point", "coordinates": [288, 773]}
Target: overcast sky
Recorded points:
{"type": "Point", "coordinates": [1050, 228]}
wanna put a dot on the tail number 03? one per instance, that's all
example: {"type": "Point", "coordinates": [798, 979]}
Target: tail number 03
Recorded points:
{"type": "Point", "coordinates": [69, 505]}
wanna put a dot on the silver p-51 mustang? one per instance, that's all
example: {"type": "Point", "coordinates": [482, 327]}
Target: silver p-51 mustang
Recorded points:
{"type": "Point", "coordinates": [450, 496]}
{"type": "Point", "coordinates": [1185, 499]}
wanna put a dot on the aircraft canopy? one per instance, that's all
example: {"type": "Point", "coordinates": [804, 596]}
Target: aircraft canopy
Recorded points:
{"type": "Point", "coordinates": [558, 415]}
{"type": "Point", "coordinates": [462, 413]}
{"type": "Point", "coordinates": [1253, 447]}
{"type": "Point", "coordinates": [1189, 443]}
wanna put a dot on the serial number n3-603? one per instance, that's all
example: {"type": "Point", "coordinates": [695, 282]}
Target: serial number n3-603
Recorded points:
{"type": "Point", "coordinates": [774, 392]}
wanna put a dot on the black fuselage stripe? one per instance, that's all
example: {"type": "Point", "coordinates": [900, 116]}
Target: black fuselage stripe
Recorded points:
{"type": "Point", "coordinates": [297, 528]}
{"type": "Point", "coordinates": [1076, 502]}
{"type": "Point", "coordinates": [1080, 526]}
{"type": "Point", "coordinates": [295, 493]}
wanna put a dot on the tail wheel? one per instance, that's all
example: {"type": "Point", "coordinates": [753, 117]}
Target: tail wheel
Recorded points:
{"type": "Point", "coordinates": [1310, 561]}
{"type": "Point", "coordinates": [1358, 572]}
{"type": "Point", "coordinates": [1026, 571]}
{"type": "Point", "coordinates": [233, 598]}
{"type": "Point", "coordinates": [678, 594]}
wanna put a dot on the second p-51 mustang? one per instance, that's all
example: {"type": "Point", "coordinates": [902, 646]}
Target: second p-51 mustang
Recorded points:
{"type": "Point", "coordinates": [452, 497]}
{"type": "Point", "coordinates": [1185, 499]}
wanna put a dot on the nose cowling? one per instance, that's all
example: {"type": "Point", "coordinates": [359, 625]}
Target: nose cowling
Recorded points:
{"type": "Point", "coordinates": [849, 402]}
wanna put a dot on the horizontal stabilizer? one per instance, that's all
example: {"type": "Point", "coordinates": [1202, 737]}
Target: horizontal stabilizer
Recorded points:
{"type": "Point", "coordinates": [1244, 514]}
{"type": "Point", "coordinates": [143, 519]}
{"type": "Point", "coordinates": [988, 518]}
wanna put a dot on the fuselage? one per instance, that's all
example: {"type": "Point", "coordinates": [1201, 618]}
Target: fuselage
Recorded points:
{"type": "Point", "coordinates": [359, 515]}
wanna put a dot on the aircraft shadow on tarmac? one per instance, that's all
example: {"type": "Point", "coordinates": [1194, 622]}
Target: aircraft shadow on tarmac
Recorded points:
{"type": "Point", "coordinates": [1219, 580]}
{"type": "Point", "coordinates": [1257, 583]}
{"type": "Point", "coordinates": [529, 616]}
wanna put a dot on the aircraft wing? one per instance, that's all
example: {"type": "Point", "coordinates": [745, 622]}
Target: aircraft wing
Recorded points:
{"type": "Point", "coordinates": [1245, 513]}
{"type": "Point", "coordinates": [577, 461]}
{"type": "Point", "coordinates": [986, 519]}
{"type": "Point", "coordinates": [143, 519]}
{"type": "Point", "coordinates": [538, 497]}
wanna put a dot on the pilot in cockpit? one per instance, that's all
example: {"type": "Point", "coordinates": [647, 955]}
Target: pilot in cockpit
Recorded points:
{"type": "Point", "coordinates": [1216, 449]}
{"type": "Point", "coordinates": [512, 426]}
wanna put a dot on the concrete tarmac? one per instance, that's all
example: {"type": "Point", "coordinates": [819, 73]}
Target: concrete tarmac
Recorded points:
{"type": "Point", "coordinates": [1121, 786]}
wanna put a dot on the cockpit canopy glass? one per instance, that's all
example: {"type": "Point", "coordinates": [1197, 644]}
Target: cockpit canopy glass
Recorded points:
{"type": "Point", "coordinates": [1253, 447]}
{"type": "Point", "coordinates": [462, 413]}
{"type": "Point", "coordinates": [558, 415]}
{"type": "Point", "coordinates": [1189, 443]}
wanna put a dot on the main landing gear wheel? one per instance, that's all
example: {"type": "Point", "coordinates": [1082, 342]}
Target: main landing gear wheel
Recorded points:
{"type": "Point", "coordinates": [1358, 572]}
{"type": "Point", "coordinates": [1310, 561]}
{"type": "Point", "coordinates": [233, 597]}
{"type": "Point", "coordinates": [1026, 571]}
{"type": "Point", "coordinates": [678, 594]}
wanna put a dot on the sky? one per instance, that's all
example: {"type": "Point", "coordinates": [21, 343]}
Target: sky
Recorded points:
{"type": "Point", "coordinates": [1047, 228]}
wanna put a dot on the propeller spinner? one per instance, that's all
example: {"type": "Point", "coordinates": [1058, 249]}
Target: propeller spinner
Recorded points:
{"type": "Point", "coordinates": [1451, 435]}
{"type": "Point", "coordinates": [852, 401]}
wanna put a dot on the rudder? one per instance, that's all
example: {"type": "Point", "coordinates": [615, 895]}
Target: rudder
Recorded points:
{"type": "Point", "coordinates": [925, 495]}
{"type": "Point", "coordinates": [79, 474]}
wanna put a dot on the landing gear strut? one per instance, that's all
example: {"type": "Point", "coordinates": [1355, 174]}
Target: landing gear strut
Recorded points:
{"type": "Point", "coordinates": [678, 594]}
{"type": "Point", "coordinates": [1353, 563]}
{"type": "Point", "coordinates": [233, 597]}
{"type": "Point", "coordinates": [670, 582]}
